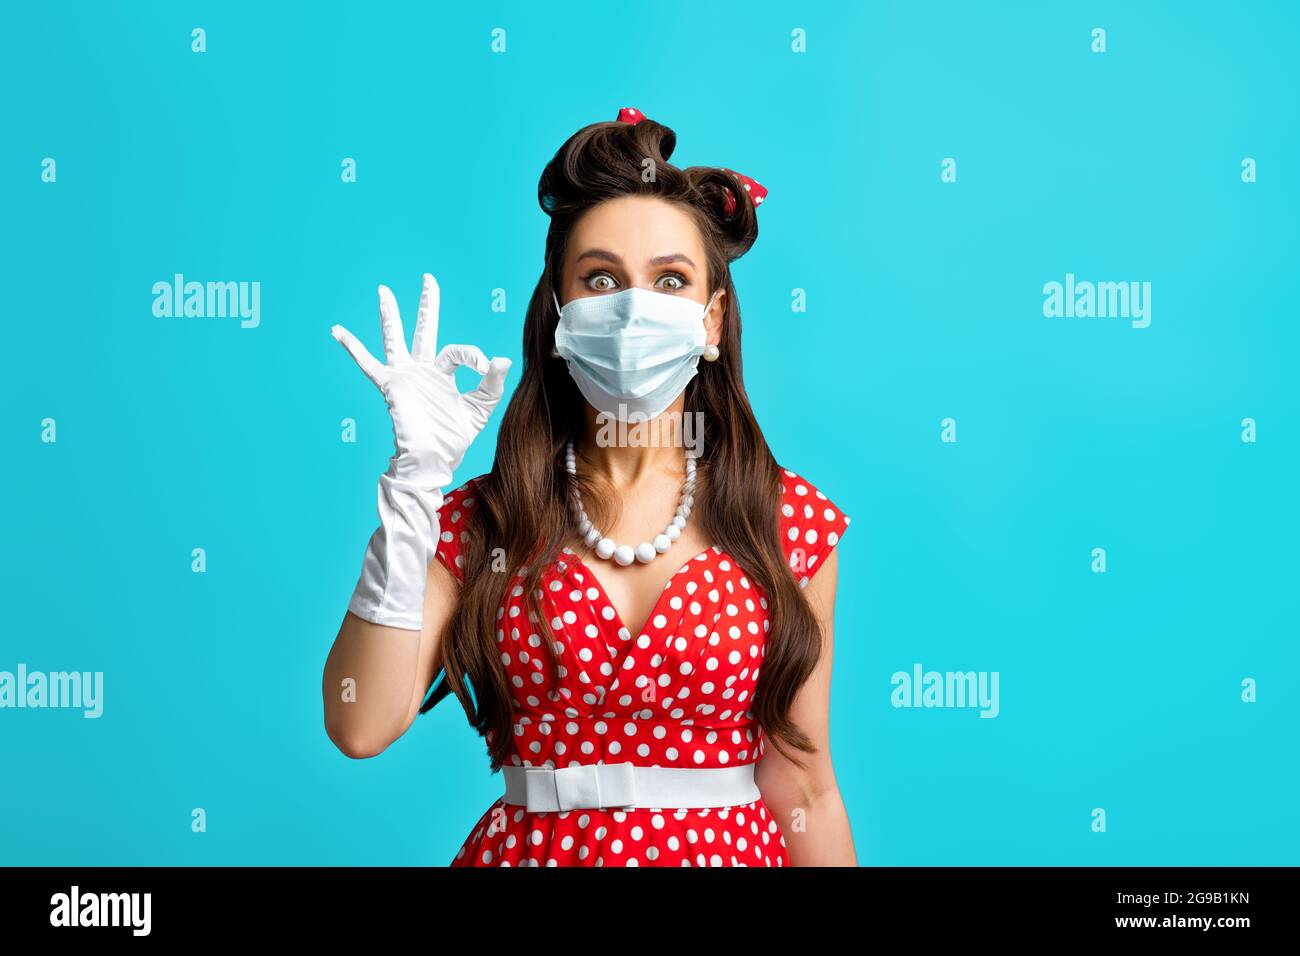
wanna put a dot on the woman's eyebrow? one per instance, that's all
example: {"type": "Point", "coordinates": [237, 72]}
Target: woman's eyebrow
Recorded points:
{"type": "Point", "coordinates": [600, 254]}
{"type": "Point", "coordinates": [670, 258]}
{"type": "Point", "coordinates": [663, 260]}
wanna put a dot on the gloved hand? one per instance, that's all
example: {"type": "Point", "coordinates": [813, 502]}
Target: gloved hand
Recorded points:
{"type": "Point", "coordinates": [433, 427]}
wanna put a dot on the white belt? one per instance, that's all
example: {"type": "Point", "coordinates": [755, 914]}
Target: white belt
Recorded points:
{"type": "Point", "coordinates": [627, 786]}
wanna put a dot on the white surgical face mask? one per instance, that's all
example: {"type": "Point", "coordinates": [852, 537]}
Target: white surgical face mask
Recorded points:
{"type": "Point", "coordinates": [632, 352]}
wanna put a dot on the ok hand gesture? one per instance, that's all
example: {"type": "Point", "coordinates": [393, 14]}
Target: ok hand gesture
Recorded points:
{"type": "Point", "coordinates": [433, 423]}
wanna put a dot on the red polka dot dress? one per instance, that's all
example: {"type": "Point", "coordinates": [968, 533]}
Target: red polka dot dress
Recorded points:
{"type": "Point", "coordinates": [675, 695]}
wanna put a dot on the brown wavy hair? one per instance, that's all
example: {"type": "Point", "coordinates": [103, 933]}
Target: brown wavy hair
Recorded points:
{"type": "Point", "coordinates": [522, 507]}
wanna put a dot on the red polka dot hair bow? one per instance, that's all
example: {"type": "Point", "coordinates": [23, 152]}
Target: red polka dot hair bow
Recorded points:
{"type": "Point", "coordinates": [757, 191]}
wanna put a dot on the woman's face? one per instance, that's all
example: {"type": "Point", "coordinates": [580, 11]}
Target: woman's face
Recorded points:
{"type": "Point", "coordinates": [639, 242]}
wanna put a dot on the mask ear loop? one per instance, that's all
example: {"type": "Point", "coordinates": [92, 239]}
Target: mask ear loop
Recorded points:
{"type": "Point", "coordinates": [554, 298]}
{"type": "Point", "coordinates": [711, 352]}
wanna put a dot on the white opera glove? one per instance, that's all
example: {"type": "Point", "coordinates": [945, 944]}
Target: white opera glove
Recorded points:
{"type": "Point", "coordinates": [433, 427]}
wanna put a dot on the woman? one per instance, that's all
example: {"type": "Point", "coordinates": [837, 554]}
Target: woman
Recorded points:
{"type": "Point", "coordinates": [628, 670]}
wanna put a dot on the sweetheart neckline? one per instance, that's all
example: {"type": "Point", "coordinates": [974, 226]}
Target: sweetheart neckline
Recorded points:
{"type": "Point", "coordinates": [663, 595]}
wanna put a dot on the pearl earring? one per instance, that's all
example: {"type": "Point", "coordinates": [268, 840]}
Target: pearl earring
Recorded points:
{"type": "Point", "coordinates": [711, 353]}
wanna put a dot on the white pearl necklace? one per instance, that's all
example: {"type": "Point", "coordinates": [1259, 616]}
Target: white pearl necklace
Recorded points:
{"type": "Point", "coordinates": [646, 551]}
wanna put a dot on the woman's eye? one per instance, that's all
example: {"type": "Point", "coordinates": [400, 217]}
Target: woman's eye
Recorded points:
{"type": "Point", "coordinates": [675, 282]}
{"type": "Point", "coordinates": [601, 282]}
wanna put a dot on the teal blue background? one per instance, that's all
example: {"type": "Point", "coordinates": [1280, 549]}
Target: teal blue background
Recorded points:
{"type": "Point", "coordinates": [1119, 691]}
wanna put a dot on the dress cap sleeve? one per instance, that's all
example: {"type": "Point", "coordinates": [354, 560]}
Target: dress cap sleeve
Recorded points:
{"type": "Point", "coordinates": [453, 518]}
{"type": "Point", "coordinates": [810, 525]}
